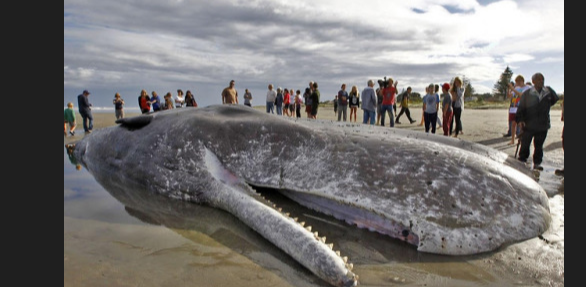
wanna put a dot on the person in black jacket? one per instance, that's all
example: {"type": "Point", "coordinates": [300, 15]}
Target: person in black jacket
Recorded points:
{"type": "Point", "coordinates": [85, 111]}
{"type": "Point", "coordinates": [533, 118]}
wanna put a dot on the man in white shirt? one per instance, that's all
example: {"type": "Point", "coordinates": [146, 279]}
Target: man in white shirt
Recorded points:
{"type": "Point", "coordinates": [271, 96]}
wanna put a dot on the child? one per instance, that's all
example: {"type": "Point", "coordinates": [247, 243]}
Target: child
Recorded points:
{"type": "Point", "coordinates": [69, 116]}
{"type": "Point", "coordinates": [118, 106]}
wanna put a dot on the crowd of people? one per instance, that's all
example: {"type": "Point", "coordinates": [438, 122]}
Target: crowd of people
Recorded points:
{"type": "Point", "coordinates": [376, 104]}
{"type": "Point", "coordinates": [528, 114]}
{"type": "Point", "coordinates": [154, 103]}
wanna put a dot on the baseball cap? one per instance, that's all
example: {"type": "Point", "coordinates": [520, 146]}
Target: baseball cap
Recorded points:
{"type": "Point", "coordinates": [446, 86]}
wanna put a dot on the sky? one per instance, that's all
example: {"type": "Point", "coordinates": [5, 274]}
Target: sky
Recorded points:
{"type": "Point", "coordinates": [125, 46]}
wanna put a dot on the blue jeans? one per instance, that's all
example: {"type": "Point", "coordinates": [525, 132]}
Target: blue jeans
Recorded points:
{"type": "Point", "coordinates": [368, 115]}
{"type": "Point", "coordinates": [388, 109]}
{"type": "Point", "coordinates": [270, 107]}
{"type": "Point", "coordinates": [85, 118]}
{"type": "Point", "coordinates": [279, 110]}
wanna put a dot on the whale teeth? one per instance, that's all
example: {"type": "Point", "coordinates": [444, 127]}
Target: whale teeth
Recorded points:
{"type": "Point", "coordinates": [302, 223]}
{"type": "Point", "coordinates": [338, 252]}
{"type": "Point", "coordinates": [279, 209]}
{"type": "Point", "coordinates": [323, 239]}
{"type": "Point", "coordinates": [286, 214]}
{"type": "Point", "coordinates": [295, 218]}
{"type": "Point", "coordinates": [308, 228]}
{"type": "Point", "coordinates": [331, 246]}
{"type": "Point", "coordinates": [350, 266]}
{"type": "Point", "coordinates": [315, 234]}
{"type": "Point", "coordinates": [345, 258]}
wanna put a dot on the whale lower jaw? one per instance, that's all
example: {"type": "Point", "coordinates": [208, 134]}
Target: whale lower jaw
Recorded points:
{"type": "Point", "coordinates": [293, 237]}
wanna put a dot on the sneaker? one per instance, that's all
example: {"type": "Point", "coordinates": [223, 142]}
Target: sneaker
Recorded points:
{"type": "Point", "coordinates": [522, 160]}
{"type": "Point", "coordinates": [412, 121]}
{"type": "Point", "coordinates": [559, 172]}
{"type": "Point", "coordinates": [88, 132]}
{"type": "Point", "coordinates": [71, 133]}
{"type": "Point", "coordinates": [506, 135]}
{"type": "Point", "coordinates": [397, 122]}
{"type": "Point", "coordinates": [537, 167]}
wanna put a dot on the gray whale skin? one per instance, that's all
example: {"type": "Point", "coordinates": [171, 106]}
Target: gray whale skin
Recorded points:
{"type": "Point", "coordinates": [439, 194]}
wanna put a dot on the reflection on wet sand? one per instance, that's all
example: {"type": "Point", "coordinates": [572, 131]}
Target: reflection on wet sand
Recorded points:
{"type": "Point", "coordinates": [379, 260]}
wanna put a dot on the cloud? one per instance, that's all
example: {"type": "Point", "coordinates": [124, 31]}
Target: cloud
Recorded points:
{"type": "Point", "coordinates": [161, 45]}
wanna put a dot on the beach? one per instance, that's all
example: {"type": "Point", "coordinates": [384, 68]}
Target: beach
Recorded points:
{"type": "Point", "coordinates": [109, 244]}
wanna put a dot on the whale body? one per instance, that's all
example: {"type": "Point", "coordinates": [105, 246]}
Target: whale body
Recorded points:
{"type": "Point", "coordinates": [440, 194]}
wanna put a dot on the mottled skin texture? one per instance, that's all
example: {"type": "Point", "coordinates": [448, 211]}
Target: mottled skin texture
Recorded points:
{"type": "Point", "coordinates": [397, 182]}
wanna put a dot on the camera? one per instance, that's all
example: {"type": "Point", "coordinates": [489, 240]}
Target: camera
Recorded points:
{"type": "Point", "coordinates": [383, 83]}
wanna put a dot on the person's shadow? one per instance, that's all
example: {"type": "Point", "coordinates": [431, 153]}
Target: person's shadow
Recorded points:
{"type": "Point", "coordinates": [553, 146]}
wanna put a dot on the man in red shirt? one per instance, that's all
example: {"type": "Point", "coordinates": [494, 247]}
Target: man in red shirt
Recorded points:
{"type": "Point", "coordinates": [389, 95]}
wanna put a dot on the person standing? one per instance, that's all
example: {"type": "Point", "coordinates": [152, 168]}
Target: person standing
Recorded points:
{"type": "Point", "coordinates": [298, 103]}
{"type": "Point", "coordinates": [335, 102]}
{"type": "Point", "coordinates": [533, 118]}
{"type": "Point", "coordinates": [379, 102]}
{"type": "Point", "coordinates": [144, 102]}
{"type": "Point", "coordinates": [190, 99]}
{"type": "Point", "coordinates": [388, 94]}
{"type": "Point", "coordinates": [85, 109]}
{"type": "Point", "coordinates": [271, 97]}
{"type": "Point", "coordinates": [69, 118]}
{"type": "Point", "coordinates": [439, 120]}
{"type": "Point", "coordinates": [247, 98]}
{"type": "Point", "coordinates": [561, 171]}
{"type": "Point", "coordinates": [457, 93]}
{"type": "Point", "coordinates": [315, 94]}
{"type": "Point", "coordinates": [307, 97]}
{"type": "Point", "coordinates": [180, 100]}
{"type": "Point", "coordinates": [118, 106]}
{"type": "Point", "coordinates": [287, 102]}
{"type": "Point", "coordinates": [447, 109]}
{"type": "Point", "coordinates": [168, 102]}
{"type": "Point", "coordinates": [516, 92]}
{"type": "Point", "coordinates": [155, 101]}
{"type": "Point", "coordinates": [292, 104]}
{"type": "Point", "coordinates": [342, 102]}
{"type": "Point", "coordinates": [279, 101]}
{"type": "Point", "coordinates": [430, 107]}
{"type": "Point", "coordinates": [510, 96]}
{"type": "Point", "coordinates": [405, 106]}
{"type": "Point", "coordinates": [369, 103]}
{"type": "Point", "coordinates": [354, 99]}
{"type": "Point", "coordinates": [229, 94]}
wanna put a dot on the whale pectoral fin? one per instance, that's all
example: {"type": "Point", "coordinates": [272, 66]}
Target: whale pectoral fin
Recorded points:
{"type": "Point", "coordinates": [233, 195]}
{"type": "Point", "coordinates": [135, 123]}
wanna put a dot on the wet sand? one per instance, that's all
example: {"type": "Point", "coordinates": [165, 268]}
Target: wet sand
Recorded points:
{"type": "Point", "coordinates": [161, 249]}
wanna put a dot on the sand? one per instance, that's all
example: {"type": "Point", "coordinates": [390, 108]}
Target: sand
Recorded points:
{"type": "Point", "coordinates": [100, 258]}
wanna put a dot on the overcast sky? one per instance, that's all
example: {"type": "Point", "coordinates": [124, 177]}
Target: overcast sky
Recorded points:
{"type": "Point", "coordinates": [125, 46]}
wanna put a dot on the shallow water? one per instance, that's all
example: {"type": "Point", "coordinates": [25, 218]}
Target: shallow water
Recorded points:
{"type": "Point", "coordinates": [112, 239]}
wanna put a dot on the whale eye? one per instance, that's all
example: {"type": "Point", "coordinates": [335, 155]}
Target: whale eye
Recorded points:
{"type": "Point", "coordinates": [405, 232]}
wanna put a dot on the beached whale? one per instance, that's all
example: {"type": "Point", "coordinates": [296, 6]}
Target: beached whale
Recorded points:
{"type": "Point", "coordinates": [440, 194]}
